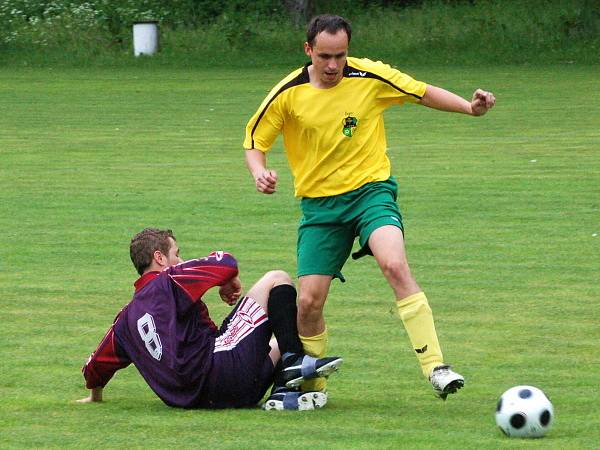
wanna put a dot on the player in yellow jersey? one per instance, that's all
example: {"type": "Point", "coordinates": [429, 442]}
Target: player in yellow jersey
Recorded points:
{"type": "Point", "coordinates": [330, 113]}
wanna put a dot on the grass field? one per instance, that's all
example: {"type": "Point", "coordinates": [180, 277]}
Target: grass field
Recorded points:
{"type": "Point", "coordinates": [503, 232]}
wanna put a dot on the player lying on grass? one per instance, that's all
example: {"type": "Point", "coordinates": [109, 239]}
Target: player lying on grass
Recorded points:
{"type": "Point", "coordinates": [167, 333]}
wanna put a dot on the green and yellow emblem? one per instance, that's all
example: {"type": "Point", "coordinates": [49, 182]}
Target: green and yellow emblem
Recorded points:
{"type": "Point", "coordinates": [349, 125]}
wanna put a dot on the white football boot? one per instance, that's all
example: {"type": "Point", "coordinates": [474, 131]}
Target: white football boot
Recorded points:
{"type": "Point", "coordinates": [284, 399]}
{"type": "Point", "coordinates": [445, 381]}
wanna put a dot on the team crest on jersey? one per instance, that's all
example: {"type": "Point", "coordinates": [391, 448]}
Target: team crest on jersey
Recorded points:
{"type": "Point", "coordinates": [349, 125]}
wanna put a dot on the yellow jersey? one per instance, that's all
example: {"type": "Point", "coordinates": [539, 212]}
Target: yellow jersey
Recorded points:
{"type": "Point", "coordinates": [334, 138]}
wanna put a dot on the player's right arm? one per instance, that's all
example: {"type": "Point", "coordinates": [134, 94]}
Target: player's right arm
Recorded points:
{"type": "Point", "coordinates": [231, 291]}
{"type": "Point", "coordinates": [261, 131]}
{"type": "Point", "coordinates": [197, 276]}
{"type": "Point", "coordinates": [264, 179]}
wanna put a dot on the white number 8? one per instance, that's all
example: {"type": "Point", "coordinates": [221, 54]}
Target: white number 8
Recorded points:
{"type": "Point", "coordinates": [148, 333]}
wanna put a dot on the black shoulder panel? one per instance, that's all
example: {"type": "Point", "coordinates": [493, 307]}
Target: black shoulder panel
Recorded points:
{"type": "Point", "coordinates": [351, 72]}
{"type": "Point", "coordinates": [302, 78]}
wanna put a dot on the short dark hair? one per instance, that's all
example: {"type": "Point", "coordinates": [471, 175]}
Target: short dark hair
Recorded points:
{"type": "Point", "coordinates": [145, 243]}
{"type": "Point", "coordinates": [326, 22]}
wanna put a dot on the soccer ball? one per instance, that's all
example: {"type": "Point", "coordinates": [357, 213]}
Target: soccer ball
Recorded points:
{"type": "Point", "coordinates": [524, 411]}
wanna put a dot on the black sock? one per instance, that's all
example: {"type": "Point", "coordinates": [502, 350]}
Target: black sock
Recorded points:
{"type": "Point", "coordinates": [278, 380]}
{"type": "Point", "coordinates": [283, 314]}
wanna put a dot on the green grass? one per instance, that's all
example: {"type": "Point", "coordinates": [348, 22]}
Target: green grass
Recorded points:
{"type": "Point", "coordinates": [458, 32]}
{"type": "Point", "coordinates": [502, 233]}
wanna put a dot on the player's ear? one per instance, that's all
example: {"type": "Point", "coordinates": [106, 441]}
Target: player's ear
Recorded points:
{"type": "Point", "coordinates": [159, 258]}
{"type": "Point", "coordinates": [307, 49]}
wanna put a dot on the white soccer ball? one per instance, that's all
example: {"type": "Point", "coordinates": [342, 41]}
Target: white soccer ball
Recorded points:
{"type": "Point", "coordinates": [524, 411]}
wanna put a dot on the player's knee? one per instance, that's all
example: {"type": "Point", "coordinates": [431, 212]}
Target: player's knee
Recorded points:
{"type": "Point", "coordinates": [279, 277]}
{"type": "Point", "coordinates": [310, 306]}
{"type": "Point", "coordinates": [396, 271]}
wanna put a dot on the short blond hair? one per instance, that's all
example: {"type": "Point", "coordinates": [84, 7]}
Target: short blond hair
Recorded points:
{"type": "Point", "coordinates": [145, 243]}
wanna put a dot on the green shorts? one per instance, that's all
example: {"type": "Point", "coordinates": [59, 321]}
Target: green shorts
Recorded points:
{"type": "Point", "coordinates": [329, 226]}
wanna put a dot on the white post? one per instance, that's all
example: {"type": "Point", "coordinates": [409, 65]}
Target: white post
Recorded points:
{"type": "Point", "coordinates": [145, 37]}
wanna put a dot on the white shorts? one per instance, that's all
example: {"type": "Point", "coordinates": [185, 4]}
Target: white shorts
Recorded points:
{"type": "Point", "coordinates": [247, 316]}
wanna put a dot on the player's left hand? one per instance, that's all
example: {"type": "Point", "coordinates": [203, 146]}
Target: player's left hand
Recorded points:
{"type": "Point", "coordinates": [482, 102]}
{"type": "Point", "coordinates": [95, 396]}
{"type": "Point", "coordinates": [230, 292]}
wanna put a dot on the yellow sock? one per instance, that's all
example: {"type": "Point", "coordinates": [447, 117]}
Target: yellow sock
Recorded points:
{"type": "Point", "coordinates": [315, 346]}
{"type": "Point", "coordinates": [418, 321]}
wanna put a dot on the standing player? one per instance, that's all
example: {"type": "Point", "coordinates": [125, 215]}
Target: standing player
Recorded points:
{"type": "Point", "coordinates": [166, 332]}
{"type": "Point", "coordinates": [330, 113]}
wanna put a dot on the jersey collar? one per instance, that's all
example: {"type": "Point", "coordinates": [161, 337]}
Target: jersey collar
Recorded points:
{"type": "Point", "coordinates": [305, 76]}
{"type": "Point", "coordinates": [145, 279]}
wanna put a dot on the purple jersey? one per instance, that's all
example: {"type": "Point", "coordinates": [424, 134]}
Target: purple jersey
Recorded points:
{"type": "Point", "coordinates": [166, 331]}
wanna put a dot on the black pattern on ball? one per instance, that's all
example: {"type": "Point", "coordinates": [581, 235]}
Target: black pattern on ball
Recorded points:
{"type": "Point", "coordinates": [545, 418]}
{"type": "Point", "coordinates": [525, 393]}
{"type": "Point", "coordinates": [518, 420]}
{"type": "Point", "coordinates": [499, 405]}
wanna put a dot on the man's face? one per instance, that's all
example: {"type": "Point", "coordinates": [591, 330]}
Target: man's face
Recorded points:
{"type": "Point", "coordinates": [328, 56]}
{"type": "Point", "coordinates": [173, 258]}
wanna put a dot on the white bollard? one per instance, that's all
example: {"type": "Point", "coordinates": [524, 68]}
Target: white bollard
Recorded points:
{"type": "Point", "coordinates": [145, 37]}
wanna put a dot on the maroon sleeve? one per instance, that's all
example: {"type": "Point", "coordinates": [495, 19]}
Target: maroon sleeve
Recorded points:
{"type": "Point", "coordinates": [105, 361]}
{"type": "Point", "coordinates": [197, 276]}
